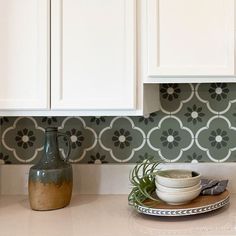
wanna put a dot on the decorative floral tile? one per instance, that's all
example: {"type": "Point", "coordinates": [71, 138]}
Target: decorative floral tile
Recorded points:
{"type": "Point", "coordinates": [6, 122]}
{"type": "Point", "coordinates": [97, 155]}
{"type": "Point", "coordinates": [170, 139]}
{"type": "Point", "coordinates": [196, 123]}
{"type": "Point", "coordinates": [3, 120]}
{"type": "Point", "coordinates": [173, 96]}
{"type": "Point", "coordinates": [97, 123]}
{"type": "Point", "coordinates": [50, 121]}
{"type": "Point", "coordinates": [217, 139]}
{"type": "Point", "coordinates": [5, 156]}
{"type": "Point", "coordinates": [148, 121]}
{"type": "Point", "coordinates": [97, 158]}
{"type": "Point", "coordinates": [232, 157]}
{"type": "Point", "coordinates": [146, 153]}
{"type": "Point", "coordinates": [194, 155]}
{"type": "Point", "coordinates": [24, 139]}
{"type": "Point", "coordinates": [193, 158]}
{"type": "Point", "coordinates": [217, 96]}
{"type": "Point", "coordinates": [194, 114]}
{"type": "Point", "coordinates": [231, 114]}
{"type": "Point", "coordinates": [82, 137]}
{"type": "Point", "coordinates": [145, 156]}
{"type": "Point", "coordinates": [122, 139]}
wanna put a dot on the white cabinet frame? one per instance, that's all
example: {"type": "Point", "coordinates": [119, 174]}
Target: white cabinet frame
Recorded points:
{"type": "Point", "coordinates": [158, 51]}
{"type": "Point", "coordinates": [39, 99]}
{"type": "Point", "coordinates": [61, 102]}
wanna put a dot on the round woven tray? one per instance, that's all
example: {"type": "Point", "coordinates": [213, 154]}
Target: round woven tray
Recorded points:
{"type": "Point", "coordinates": [200, 205]}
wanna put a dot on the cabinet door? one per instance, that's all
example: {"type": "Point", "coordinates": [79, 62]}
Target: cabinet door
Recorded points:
{"type": "Point", "coordinates": [24, 53]}
{"type": "Point", "coordinates": [190, 37]}
{"type": "Point", "coordinates": [93, 54]}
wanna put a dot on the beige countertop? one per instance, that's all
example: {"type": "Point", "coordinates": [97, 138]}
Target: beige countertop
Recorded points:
{"type": "Point", "coordinates": [107, 215]}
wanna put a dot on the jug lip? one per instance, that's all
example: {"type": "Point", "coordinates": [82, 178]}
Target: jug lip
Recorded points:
{"type": "Point", "coordinates": [50, 129]}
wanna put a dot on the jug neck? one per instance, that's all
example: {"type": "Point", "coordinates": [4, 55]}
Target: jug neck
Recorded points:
{"type": "Point", "coordinates": [51, 149]}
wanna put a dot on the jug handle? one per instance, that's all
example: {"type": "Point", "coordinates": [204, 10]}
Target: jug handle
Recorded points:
{"type": "Point", "coordinates": [69, 144]}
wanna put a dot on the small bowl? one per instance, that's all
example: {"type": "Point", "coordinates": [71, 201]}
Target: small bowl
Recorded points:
{"type": "Point", "coordinates": [177, 178]}
{"type": "Point", "coordinates": [178, 198]}
{"type": "Point", "coordinates": [176, 190]}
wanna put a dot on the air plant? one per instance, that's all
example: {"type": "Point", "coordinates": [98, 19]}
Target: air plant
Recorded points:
{"type": "Point", "coordinates": [142, 178]}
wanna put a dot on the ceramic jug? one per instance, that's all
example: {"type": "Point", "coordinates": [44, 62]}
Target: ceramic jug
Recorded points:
{"type": "Point", "coordinates": [50, 180]}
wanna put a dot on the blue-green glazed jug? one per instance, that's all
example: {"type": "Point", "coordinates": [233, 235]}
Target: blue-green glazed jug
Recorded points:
{"type": "Point", "coordinates": [51, 179]}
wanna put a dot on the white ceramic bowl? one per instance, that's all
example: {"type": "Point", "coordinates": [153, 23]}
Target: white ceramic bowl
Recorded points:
{"type": "Point", "coordinates": [178, 198]}
{"type": "Point", "coordinates": [175, 190]}
{"type": "Point", "coordinates": [177, 178]}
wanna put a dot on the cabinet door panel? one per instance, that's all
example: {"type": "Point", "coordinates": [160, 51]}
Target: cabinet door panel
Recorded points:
{"type": "Point", "coordinates": [93, 54]}
{"type": "Point", "coordinates": [191, 37]}
{"type": "Point", "coordinates": [24, 47]}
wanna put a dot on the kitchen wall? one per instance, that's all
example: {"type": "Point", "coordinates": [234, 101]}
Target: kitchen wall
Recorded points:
{"type": "Point", "coordinates": [196, 123]}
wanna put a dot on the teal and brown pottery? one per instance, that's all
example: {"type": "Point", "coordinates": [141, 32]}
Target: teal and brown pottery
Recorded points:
{"type": "Point", "coordinates": [51, 179]}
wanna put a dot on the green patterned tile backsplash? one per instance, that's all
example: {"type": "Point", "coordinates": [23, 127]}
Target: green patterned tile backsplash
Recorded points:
{"type": "Point", "coordinates": [196, 123]}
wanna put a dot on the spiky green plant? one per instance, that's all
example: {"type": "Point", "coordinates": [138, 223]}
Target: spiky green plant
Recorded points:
{"type": "Point", "coordinates": [142, 178]}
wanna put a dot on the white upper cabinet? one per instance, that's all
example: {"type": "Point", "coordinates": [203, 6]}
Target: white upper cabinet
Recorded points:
{"type": "Point", "coordinates": [107, 57]}
{"type": "Point", "coordinates": [189, 37]}
{"type": "Point", "coordinates": [72, 57]}
{"type": "Point", "coordinates": [24, 54]}
{"type": "Point", "coordinates": [93, 55]}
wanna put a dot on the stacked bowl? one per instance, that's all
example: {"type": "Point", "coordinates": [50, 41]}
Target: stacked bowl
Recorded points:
{"type": "Point", "coordinates": [177, 187]}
